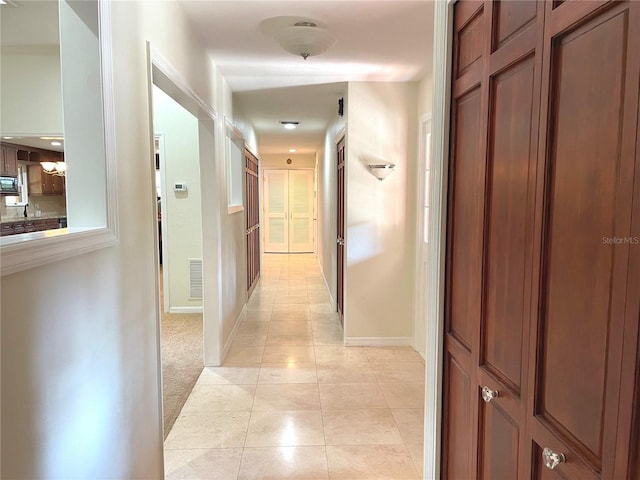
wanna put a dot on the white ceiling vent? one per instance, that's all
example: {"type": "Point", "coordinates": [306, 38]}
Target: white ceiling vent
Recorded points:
{"type": "Point", "coordinates": [195, 278]}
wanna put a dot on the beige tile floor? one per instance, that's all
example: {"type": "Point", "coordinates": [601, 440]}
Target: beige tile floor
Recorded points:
{"type": "Point", "coordinates": [291, 402]}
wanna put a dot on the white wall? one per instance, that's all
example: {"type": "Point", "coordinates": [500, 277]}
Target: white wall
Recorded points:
{"type": "Point", "coordinates": [31, 104]}
{"type": "Point", "coordinates": [233, 248]}
{"type": "Point", "coordinates": [280, 161]}
{"type": "Point", "coordinates": [380, 218]}
{"type": "Point", "coordinates": [80, 372]}
{"type": "Point", "coordinates": [425, 93]}
{"type": "Point", "coordinates": [242, 123]}
{"type": "Point", "coordinates": [84, 151]}
{"type": "Point", "coordinates": [182, 214]}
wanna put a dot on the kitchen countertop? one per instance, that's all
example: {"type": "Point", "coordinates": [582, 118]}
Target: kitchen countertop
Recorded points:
{"type": "Point", "coordinates": [31, 218]}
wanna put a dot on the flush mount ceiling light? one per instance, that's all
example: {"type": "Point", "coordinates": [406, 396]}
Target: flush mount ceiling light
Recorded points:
{"type": "Point", "coordinates": [290, 125]}
{"type": "Point", "coordinates": [382, 171]}
{"type": "Point", "coordinates": [292, 150]}
{"type": "Point", "coordinates": [305, 39]}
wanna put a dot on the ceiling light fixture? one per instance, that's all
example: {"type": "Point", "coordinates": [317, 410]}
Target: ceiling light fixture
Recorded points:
{"type": "Point", "coordinates": [56, 144]}
{"type": "Point", "coordinates": [59, 169]}
{"type": "Point", "coordinates": [305, 39]}
{"type": "Point", "coordinates": [292, 150]}
{"type": "Point", "coordinates": [290, 125]}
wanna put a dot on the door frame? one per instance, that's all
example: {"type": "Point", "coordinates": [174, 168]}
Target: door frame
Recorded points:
{"type": "Point", "coordinates": [164, 75]}
{"type": "Point", "coordinates": [419, 324]}
{"type": "Point", "coordinates": [165, 236]}
{"type": "Point", "coordinates": [442, 50]}
{"type": "Point", "coordinates": [341, 273]}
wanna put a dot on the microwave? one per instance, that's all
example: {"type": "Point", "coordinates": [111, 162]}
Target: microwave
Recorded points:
{"type": "Point", "coordinates": [8, 185]}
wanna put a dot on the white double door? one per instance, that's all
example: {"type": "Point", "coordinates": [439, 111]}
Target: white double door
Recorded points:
{"type": "Point", "coordinates": [289, 211]}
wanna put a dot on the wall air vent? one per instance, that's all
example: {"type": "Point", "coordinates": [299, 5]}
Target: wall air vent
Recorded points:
{"type": "Point", "coordinates": [195, 278]}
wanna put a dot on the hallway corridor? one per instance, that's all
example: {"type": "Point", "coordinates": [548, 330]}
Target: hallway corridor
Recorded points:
{"type": "Point", "coordinates": [291, 402]}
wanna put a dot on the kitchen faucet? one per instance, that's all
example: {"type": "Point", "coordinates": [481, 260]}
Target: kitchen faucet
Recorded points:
{"type": "Point", "coordinates": [25, 213]}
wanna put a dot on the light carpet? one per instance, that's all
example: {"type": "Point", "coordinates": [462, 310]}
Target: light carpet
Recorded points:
{"type": "Point", "coordinates": [181, 337]}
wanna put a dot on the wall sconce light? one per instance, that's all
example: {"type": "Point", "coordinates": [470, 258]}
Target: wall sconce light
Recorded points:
{"type": "Point", "coordinates": [382, 171]}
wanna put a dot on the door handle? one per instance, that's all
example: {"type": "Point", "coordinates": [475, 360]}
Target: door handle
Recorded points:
{"type": "Point", "coordinates": [488, 394]}
{"type": "Point", "coordinates": [552, 459]}
{"type": "Point", "coordinates": [340, 242]}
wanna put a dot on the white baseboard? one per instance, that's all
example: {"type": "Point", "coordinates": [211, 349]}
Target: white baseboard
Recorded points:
{"type": "Point", "coordinates": [232, 335]}
{"type": "Point", "coordinates": [378, 341]}
{"type": "Point", "coordinates": [326, 284]}
{"type": "Point", "coordinates": [185, 310]}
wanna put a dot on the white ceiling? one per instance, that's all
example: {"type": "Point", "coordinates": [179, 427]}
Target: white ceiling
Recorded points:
{"type": "Point", "coordinates": [376, 40]}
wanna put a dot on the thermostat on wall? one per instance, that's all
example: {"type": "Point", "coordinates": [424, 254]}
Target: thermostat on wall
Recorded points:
{"type": "Point", "coordinates": [179, 187]}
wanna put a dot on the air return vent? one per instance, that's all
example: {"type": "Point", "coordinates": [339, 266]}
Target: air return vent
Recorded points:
{"type": "Point", "coordinates": [195, 278]}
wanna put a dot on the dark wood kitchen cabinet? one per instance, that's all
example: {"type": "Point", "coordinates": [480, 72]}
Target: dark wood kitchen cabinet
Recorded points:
{"type": "Point", "coordinates": [9, 161]}
{"type": "Point", "coordinates": [29, 225]}
{"type": "Point", "coordinates": [41, 183]}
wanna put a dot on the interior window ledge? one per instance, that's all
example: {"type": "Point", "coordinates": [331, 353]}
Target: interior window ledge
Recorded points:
{"type": "Point", "coordinates": [30, 250]}
{"type": "Point", "coordinates": [231, 209]}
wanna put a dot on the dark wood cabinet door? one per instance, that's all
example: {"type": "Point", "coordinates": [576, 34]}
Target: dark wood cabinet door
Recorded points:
{"type": "Point", "coordinates": [543, 262]}
{"type": "Point", "coordinates": [9, 164]}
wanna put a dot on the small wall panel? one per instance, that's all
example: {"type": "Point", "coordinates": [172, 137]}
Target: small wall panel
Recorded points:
{"type": "Point", "coordinates": [500, 443]}
{"type": "Point", "coordinates": [458, 411]}
{"type": "Point", "coordinates": [469, 43]}
{"type": "Point", "coordinates": [510, 17]}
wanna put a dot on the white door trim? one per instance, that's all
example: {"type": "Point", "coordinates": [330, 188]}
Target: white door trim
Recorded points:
{"type": "Point", "coordinates": [419, 324]}
{"type": "Point", "coordinates": [443, 33]}
{"type": "Point", "coordinates": [162, 74]}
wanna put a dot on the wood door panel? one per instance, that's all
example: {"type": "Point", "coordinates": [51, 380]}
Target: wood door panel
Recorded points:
{"type": "Point", "coordinates": [572, 469]}
{"type": "Point", "coordinates": [542, 291]}
{"type": "Point", "coordinates": [469, 41]}
{"type": "Point", "coordinates": [500, 443]}
{"type": "Point", "coordinates": [578, 275]}
{"type": "Point", "coordinates": [540, 472]}
{"type": "Point", "coordinates": [509, 214]}
{"type": "Point", "coordinates": [457, 414]}
{"type": "Point", "coordinates": [510, 18]}
{"type": "Point", "coordinates": [466, 220]}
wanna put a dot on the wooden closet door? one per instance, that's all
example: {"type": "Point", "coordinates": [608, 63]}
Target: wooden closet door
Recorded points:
{"type": "Point", "coordinates": [542, 285]}
{"type": "Point", "coordinates": [496, 87]}
{"type": "Point", "coordinates": [586, 296]}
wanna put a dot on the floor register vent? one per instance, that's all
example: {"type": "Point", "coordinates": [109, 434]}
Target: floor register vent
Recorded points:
{"type": "Point", "coordinates": [195, 278]}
